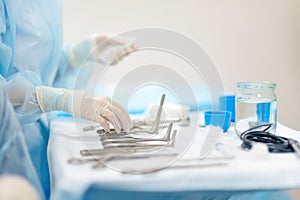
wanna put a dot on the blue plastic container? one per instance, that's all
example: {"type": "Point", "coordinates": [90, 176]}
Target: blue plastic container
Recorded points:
{"type": "Point", "coordinates": [218, 118]}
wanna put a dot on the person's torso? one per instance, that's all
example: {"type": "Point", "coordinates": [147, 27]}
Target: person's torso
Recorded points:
{"type": "Point", "coordinates": [38, 36]}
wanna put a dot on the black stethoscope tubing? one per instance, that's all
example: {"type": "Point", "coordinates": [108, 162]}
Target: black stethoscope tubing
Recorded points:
{"type": "Point", "coordinates": [276, 144]}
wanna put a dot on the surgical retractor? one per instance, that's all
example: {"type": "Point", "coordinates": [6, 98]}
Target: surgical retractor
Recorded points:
{"type": "Point", "coordinates": [106, 140]}
{"type": "Point", "coordinates": [129, 148]}
{"type": "Point", "coordinates": [143, 143]}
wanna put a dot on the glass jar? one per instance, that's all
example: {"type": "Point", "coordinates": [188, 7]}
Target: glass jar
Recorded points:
{"type": "Point", "coordinates": [255, 105]}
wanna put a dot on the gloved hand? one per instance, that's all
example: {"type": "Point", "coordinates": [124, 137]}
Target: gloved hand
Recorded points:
{"type": "Point", "coordinates": [84, 105]}
{"type": "Point", "coordinates": [99, 48]}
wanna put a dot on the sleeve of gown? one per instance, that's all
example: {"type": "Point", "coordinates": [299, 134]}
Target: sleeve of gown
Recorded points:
{"type": "Point", "coordinates": [22, 94]}
{"type": "Point", "coordinates": [66, 74]}
{"type": "Point", "coordinates": [78, 77]}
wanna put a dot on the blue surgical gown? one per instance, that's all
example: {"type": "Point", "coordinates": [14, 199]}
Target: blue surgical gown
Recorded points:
{"type": "Point", "coordinates": [32, 53]}
{"type": "Point", "coordinates": [14, 155]}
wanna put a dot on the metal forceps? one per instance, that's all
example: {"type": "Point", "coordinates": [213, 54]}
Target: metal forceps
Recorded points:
{"type": "Point", "coordinates": [128, 148]}
{"type": "Point", "coordinates": [107, 140]}
{"type": "Point", "coordinates": [117, 140]}
{"type": "Point", "coordinates": [144, 142]}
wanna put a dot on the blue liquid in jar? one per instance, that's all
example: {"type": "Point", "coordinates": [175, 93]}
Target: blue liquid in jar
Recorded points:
{"type": "Point", "coordinates": [251, 113]}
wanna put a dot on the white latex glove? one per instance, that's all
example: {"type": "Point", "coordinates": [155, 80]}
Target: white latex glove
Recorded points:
{"type": "Point", "coordinates": [99, 48]}
{"type": "Point", "coordinates": [84, 105]}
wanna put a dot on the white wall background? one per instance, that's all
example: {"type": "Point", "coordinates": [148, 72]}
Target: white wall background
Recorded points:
{"type": "Point", "coordinates": [249, 40]}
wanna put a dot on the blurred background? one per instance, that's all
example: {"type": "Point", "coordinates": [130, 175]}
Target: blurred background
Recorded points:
{"type": "Point", "coordinates": [250, 40]}
{"type": "Point", "coordinates": [253, 40]}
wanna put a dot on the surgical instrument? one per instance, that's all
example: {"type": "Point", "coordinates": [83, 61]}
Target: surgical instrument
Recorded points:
{"type": "Point", "coordinates": [113, 156]}
{"type": "Point", "coordinates": [90, 152]}
{"type": "Point", "coordinates": [165, 138]}
{"type": "Point", "coordinates": [142, 144]}
{"type": "Point", "coordinates": [100, 163]}
{"type": "Point", "coordinates": [155, 126]}
{"type": "Point", "coordinates": [129, 149]}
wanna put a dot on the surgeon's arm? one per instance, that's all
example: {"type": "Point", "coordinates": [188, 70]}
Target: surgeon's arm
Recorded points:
{"type": "Point", "coordinates": [99, 48]}
{"type": "Point", "coordinates": [22, 94]}
{"type": "Point", "coordinates": [84, 105]}
{"type": "Point", "coordinates": [30, 100]}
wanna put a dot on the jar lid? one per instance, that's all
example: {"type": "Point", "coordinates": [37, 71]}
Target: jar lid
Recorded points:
{"type": "Point", "coordinates": [256, 85]}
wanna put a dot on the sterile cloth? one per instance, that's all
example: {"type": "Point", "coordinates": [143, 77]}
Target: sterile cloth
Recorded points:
{"type": "Point", "coordinates": [244, 175]}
